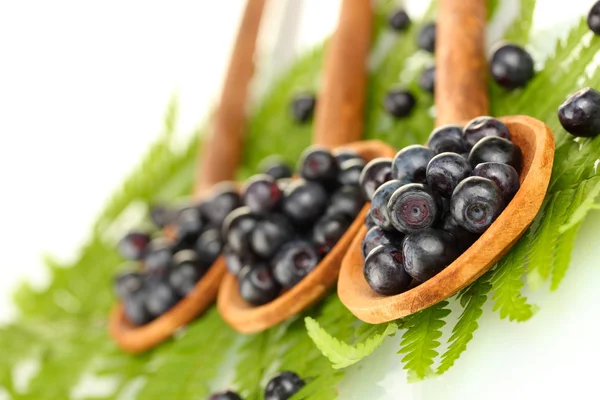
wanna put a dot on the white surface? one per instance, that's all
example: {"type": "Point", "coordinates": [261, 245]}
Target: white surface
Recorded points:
{"type": "Point", "coordinates": [83, 86]}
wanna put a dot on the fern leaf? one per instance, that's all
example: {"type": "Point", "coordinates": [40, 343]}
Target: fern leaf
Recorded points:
{"type": "Point", "coordinates": [584, 201]}
{"type": "Point", "coordinates": [519, 31]}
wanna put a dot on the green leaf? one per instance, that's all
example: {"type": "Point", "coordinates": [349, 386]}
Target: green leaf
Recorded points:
{"type": "Point", "coordinates": [519, 31]}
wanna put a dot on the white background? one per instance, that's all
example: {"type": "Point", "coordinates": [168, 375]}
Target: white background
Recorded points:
{"type": "Point", "coordinates": [83, 87]}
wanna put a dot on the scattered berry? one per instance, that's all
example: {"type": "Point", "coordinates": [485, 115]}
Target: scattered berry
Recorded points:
{"type": "Point", "coordinates": [384, 270]}
{"type": "Point", "coordinates": [427, 79]}
{"type": "Point", "coordinates": [258, 286]}
{"type": "Point", "coordinates": [377, 236]}
{"type": "Point", "coordinates": [503, 175]}
{"type": "Point", "coordinates": [379, 204]}
{"type": "Point", "coordinates": [481, 127]}
{"type": "Point", "coordinates": [276, 167]}
{"type": "Point", "coordinates": [283, 386]}
{"type": "Point", "coordinates": [476, 203]}
{"type": "Point", "coordinates": [580, 113]}
{"type": "Point", "coordinates": [498, 150]}
{"type": "Point", "coordinates": [447, 138]}
{"type": "Point", "coordinates": [375, 173]}
{"type": "Point", "coordinates": [294, 261]}
{"type": "Point", "coordinates": [209, 246]}
{"type": "Point", "coordinates": [303, 107]}
{"type": "Point", "coordinates": [426, 38]}
{"type": "Point", "coordinates": [328, 231]}
{"type": "Point", "coordinates": [593, 19]}
{"type": "Point", "coordinates": [428, 252]}
{"type": "Point", "coordinates": [410, 164]}
{"type": "Point", "coordinates": [350, 171]}
{"type": "Point", "coordinates": [269, 234]}
{"type": "Point", "coordinates": [445, 171]}
{"type": "Point", "coordinates": [133, 245]}
{"type": "Point", "coordinates": [399, 103]}
{"type": "Point", "coordinates": [228, 395]}
{"type": "Point", "coordinates": [511, 66]}
{"type": "Point", "coordinates": [399, 20]}
{"type": "Point", "coordinates": [413, 207]}
{"type": "Point", "coordinates": [261, 194]}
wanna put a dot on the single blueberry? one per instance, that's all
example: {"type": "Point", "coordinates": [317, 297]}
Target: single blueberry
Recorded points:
{"type": "Point", "coordinates": [294, 261]}
{"type": "Point", "coordinates": [283, 386]}
{"type": "Point", "coordinates": [447, 138]}
{"type": "Point", "coordinates": [328, 231]}
{"type": "Point", "coordinates": [224, 199]}
{"type": "Point", "coordinates": [186, 272]}
{"type": "Point", "coordinates": [410, 164]}
{"type": "Point", "coordinates": [496, 149]}
{"type": "Point", "coordinates": [384, 270]}
{"type": "Point", "coordinates": [304, 201]}
{"type": "Point", "coordinates": [580, 113]}
{"type": "Point", "coordinates": [399, 20]}
{"type": "Point", "coordinates": [134, 307]}
{"type": "Point", "coordinates": [128, 283]}
{"type": "Point", "coordinates": [303, 107]}
{"type": "Point", "coordinates": [379, 204]}
{"type": "Point", "coordinates": [511, 66]}
{"type": "Point", "coordinates": [375, 173]}
{"type": "Point", "coordinates": [350, 171]}
{"type": "Point", "coordinates": [133, 245]}
{"type": "Point", "coordinates": [377, 236]}
{"type": "Point", "coordinates": [413, 207]}
{"type": "Point", "coordinates": [276, 167]}
{"type": "Point", "coordinates": [228, 395]}
{"type": "Point", "coordinates": [476, 203]}
{"type": "Point", "coordinates": [399, 103]}
{"type": "Point", "coordinates": [426, 38]}
{"type": "Point", "coordinates": [161, 215]}
{"type": "Point", "coordinates": [593, 19]}
{"type": "Point", "coordinates": [427, 79]}
{"type": "Point", "coordinates": [347, 201]}
{"type": "Point", "coordinates": [270, 233]}
{"type": "Point", "coordinates": [319, 165]}
{"type": "Point", "coordinates": [481, 127]}
{"type": "Point", "coordinates": [342, 154]}
{"type": "Point", "coordinates": [161, 296]}
{"type": "Point", "coordinates": [445, 171]}
{"type": "Point", "coordinates": [158, 257]}
{"type": "Point", "coordinates": [237, 230]}
{"type": "Point", "coordinates": [428, 252]}
{"type": "Point", "coordinates": [261, 194]}
{"type": "Point", "coordinates": [503, 175]}
{"type": "Point", "coordinates": [209, 246]}
{"type": "Point", "coordinates": [258, 286]}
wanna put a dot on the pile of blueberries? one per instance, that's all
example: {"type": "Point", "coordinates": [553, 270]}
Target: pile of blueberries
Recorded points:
{"type": "Point", "coordinates": [429, 204]}
{"type": "Point", "coordinates": [281, 387]}
{"type": "Point", "coordinates": [285, 226]}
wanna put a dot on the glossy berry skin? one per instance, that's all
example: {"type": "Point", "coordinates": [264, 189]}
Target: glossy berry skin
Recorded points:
{"type": "Point", "coordinates": [319, 165]}
{"type": "Point", "coordinates": [228, 395]}
{"type": "Point", "coordinates": [511, 66]}
{"type": "Point", "coordinates": [294, 261]}
{"type": "Point", "coordinates": [159, 256]}
{"type": "Point", "coordinates": [128, 283]}
{"type": "Point", "coordinates": [209, 246]}
{"type": "Point", "coordinates": [275, 167]}
{"type": "Point", "coordinates": [399, 103]}
{"type": "Point", "coordinates": [445, 171]}
{"type": "Point", "coordinates": [447, 138]}
{"type": "Point", "coordinates": [344, 154]}
{"type": "Point", "coordinates": [428, 252]}
{"type": "Point", "coordinates": [375, 173]}
{"type": "Point", "coordinates": [161, 215]}
{"type": "Point", "coordinates": [426, 38]}
{"type": "Point", "coordinates": [133, 245]}
{"type": "Point", "coordinates": [224, 200]}
{"type": "Point", "coordinates": [303, 107]}
{"type": "Point", "coordinates": [503, 175]}
{"type": "Point", "coordinates": [350, 171]}
{"type": "Point", "coordinates": [233, 261]}
{"type": "Point", "coordinates": [186, 272]}
{"type": "Point", "coordinates": [593, 19]}
{"type": "Point", "coordinates": [161, 297]}
{"type": "Point", "coordinates": [328, 231]}
{"type": "Point", "coordinates": [283, 386]}
{"type": "Point", "coordinates": [304, 201]}
{"type": "Point", "coordinates": [495, 149]}
{"type": "Point", "coordinates": [189, 225]}
{"type": "Point", "coordinates": [410, 164]}
{"type": "Point", "coordinates": [384, 270]}
{"type": "Point", "coordinates": [427, 79]}
{"type": "Point", "coordinates": [134, 306]}
{"type": "Point", "coordinates": [377, 237]}
{"type": "Point", "coordinates": [369, 222]}
{"type": "Point", "coordinates": [261, 194]}
{"type": "Point", "coordinates": [270, 233]}
{"type": "Point", "coordinates": [379, 204]}
{"type": "Point", "coordinates": [481, 127]}
{"type": "Point", "coordinates": [464, 239]}
{"type": "Point", "coordinates": [258, 286]}
{"type": "Point", "coordinates": [476, 203]}
{"type": "Point", "coordinates": [347, 201]}
{"type": "Point", "coordinates": [237, 230]}
{"type": "Point", "coordinates": [580, 113]}
{"type": "Point", "coordinates": [413, 207]}
{"type": "Point", "coordinates": [399, 21]}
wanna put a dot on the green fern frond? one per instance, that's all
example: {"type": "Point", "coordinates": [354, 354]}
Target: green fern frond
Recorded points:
{"type": "Point", "coordinates": [519, 31]}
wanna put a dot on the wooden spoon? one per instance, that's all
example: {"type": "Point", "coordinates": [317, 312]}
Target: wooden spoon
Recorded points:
{"type": "Point", "coordinates": [220, 157]}
{"type": "Point", "coordinates": [460, 95]}
{"type": "Point", "coordinates": [338, 120]}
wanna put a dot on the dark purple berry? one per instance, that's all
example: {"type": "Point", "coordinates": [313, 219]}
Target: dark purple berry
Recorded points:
{"type": "Point", "coordinates": [384, 270]}
{"type": "Point", "coordinates": [133, 245]}
{"type": "Point", "coordinates": [161, 215]}
{"type": "Point", "coordinates": [593, 19]}
{"type": "Point", "coordinates": [410, 164]}
{"type": "Point", "coordinates": [427, 79]}
{"type": "Point", "coordinates": [188, 225]}
{"type": "Point", "coordinates": [233, 261]}
{"type": "Point", "coordinates": [399, 103]}
{"type": "Point", "coordinates": [428, 252]}
{"type": "Point", "coordinates": [283, 386]}
{"type": "Point", "coordinates": [328, 231]}
{"type": "Point", "coordinates": [343, 154]}
{"type": "Point", "coordinates": [375, 173]}
{"type": "Point", "coordinates": [294, 261]}
{"type": "Point", "coordinates": [186, 272]}
{"type": "Point", "coordinates": [580, 113]}
{"type": "Point", "coordinates": [134, 306]}
{"type": "Point", "coordinates": [413, 207]}
{"type": "Point", "coordinates": [228, 395]}
{"type": "Point", "coordinates": [350, 172]}
{"type": "Point", "coordinates": [476, 203]}
{"type": "Point", "coordinates": [426, 38]}
{"type": "Point", "coordinates": [495, 149]}
{"type": "Point", "coordinates": [503, 175]}
{"type": "Point", "coordinates": [270, 234]}
{"type": "Point", "coordinates": [347, 201]}
{"type": "Point", "coordinates": [463, 237]}
{"type": "Point", "coordinates": [447, 138]}
{"type": "Point", "coordinates": [258, 286]}
{"type": "Point", "coordinates": [319, 165]}
{"type": "Point", "coordinates": [304, 201]}
{"type": "Point", "coordinates": [399, 20]}
{"type": "Point", "coordinates": [225, 199]}
{"type": "Point", "coordinates": [128, 283]}
{"type": "Point", "coordinates": [377, 236]}
{"type": "Point", "coordinates": [209, 246]}
{"type": "Point", "coordinates": [445, 171]}
{"type": "Point", "coordinates": [303, 107]}
{"type": "Point", "coordinates": [481, 127]}
{"type": "Point", "coordinates": [237, 230]}
{"type": "Point", "coordinates": [161, 297]}
{"type": "Point", "coordinates": [369, 222]}
{"type": "Point", "coordinates": [261, 194]}
{"type": "Point", "coordinates": [275, 167]}
{"type": "Point", "coordinates": [379, 204]}
{"type": "Point", "coordinates": [511, 66]}
{"type": "Point", "coordinates": [159, 256]}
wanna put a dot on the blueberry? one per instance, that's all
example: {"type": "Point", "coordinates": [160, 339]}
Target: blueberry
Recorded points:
{"type": "Point", "coordinates": [427, 79]}
{"type": "Point", "coordinates": [428, 252]}
{"type": "Point", "coordinates": [348, 200]}
{"type": "Point", "coordinates": [161, 215]}
{"type": "Point", "coordinates": [379, 204]}
{"type": "Point", "coordinates": [186, 272]}
{"type": "Point", "coordinates": [496, 149]}
{"type": "Point", "coordinates": [318, 164]}
{"type": "Point", "coordinates": [384, 270]}
{"type": "Point", "coordinates": [410, 164]}
{"type": "Point", "coordinates": [128, 283]}
{"type": "Point", "coordinates": [270, 234]}
{"type": "Point", "coordinates": [593, 19]}
{"type": "Point", "coordinates": [258, 286]}
{"type": "Point", "coordinates": [445, 171]}
{"type": "Point", "coordinates": [328, 231]}
{"type": "Point", "coordinates": [463, 237]}
{"type": "Point", "coordinates": [350, 171]}
{"type": "Point", "coordinates": [413, 207]}
{"type": "Point", "coordinates": [377, 236]}
{"type": "Point", "coordinates": [344, 154]}
{"type": "Point", "coordinates": [303, 107]}
{"type": "Point", "coordinates": [209, 246]}
{"type": "Point", "coordinates": [294, 261]}
{"type": "Point", "coordinates": [161, 296]}
{"type": "Point", "coordinates": [276, 167]}
{"type": "Point", "coordinates": [237, 230]}
{"type": "Point", "coordinates": [476, 203]}
{"type": "Point", "coordinates": [447, 138]}
{"type": "Point", "coordinates": [283, 386]}
{"type": "Point", "coordinates": [133, 245]}
{"type": "Point", "coordinates": [369, 222]}
{"type": "Point", "coordinates": [223, 200]}
{"type": "Point", "coordinates": [426, 38]}
{"type": "Point", "coordinates": [399, 103]}
{"type": "Point", "coordinates": [375, 173]}
{"type": "Point", "coordinates": [399, 20]}
{"type": "Point", "coordinates": [234, 262]}
{"type": "Point", "coordinates": [188, 225]}
{"type": "Point", "coordinates": [481, 127]}
{"type": "Point", "coordinates": [134, 307]}
{"type": "Point", "coordinates": [304, 201]}
{"type": "Point", "coordinates": [261, 194]}
{"type": "Point", "coordinates": [511, 66]}
{"type": "Point", "coordinates": [503, 175]}
{"type": "Point", "coordinates": [228, 395]}
{"type": "Point", "coordinates": [159, 256]}
{"type": "Point", "coordinates": [580, 113]}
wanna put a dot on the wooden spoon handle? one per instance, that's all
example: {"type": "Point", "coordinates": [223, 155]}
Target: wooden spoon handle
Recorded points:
{"type": "Point", "coordinates": [460, 62]}
{"type": "Point", "coordinates": [339, 114]}
{"type": "Point", "coordinates": [222, 148]}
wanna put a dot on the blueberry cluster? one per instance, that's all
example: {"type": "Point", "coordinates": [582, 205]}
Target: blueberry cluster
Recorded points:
{"type": "Point", "coordinates": [281, 387]}
{"type": "Point", "coordinates": [284, 227]}
{"type": "Point", "coordinates": [169, 267]}
{"type": "Point", "coordinates": [429, 204]}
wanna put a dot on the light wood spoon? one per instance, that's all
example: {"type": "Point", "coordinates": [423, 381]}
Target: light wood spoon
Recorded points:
{"type": "Point", "coordinates": [338, 121]}
{"type": "Point", "coordinates": [218, 162]}
{"type": "Point", "coordinates": [460, 95]}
